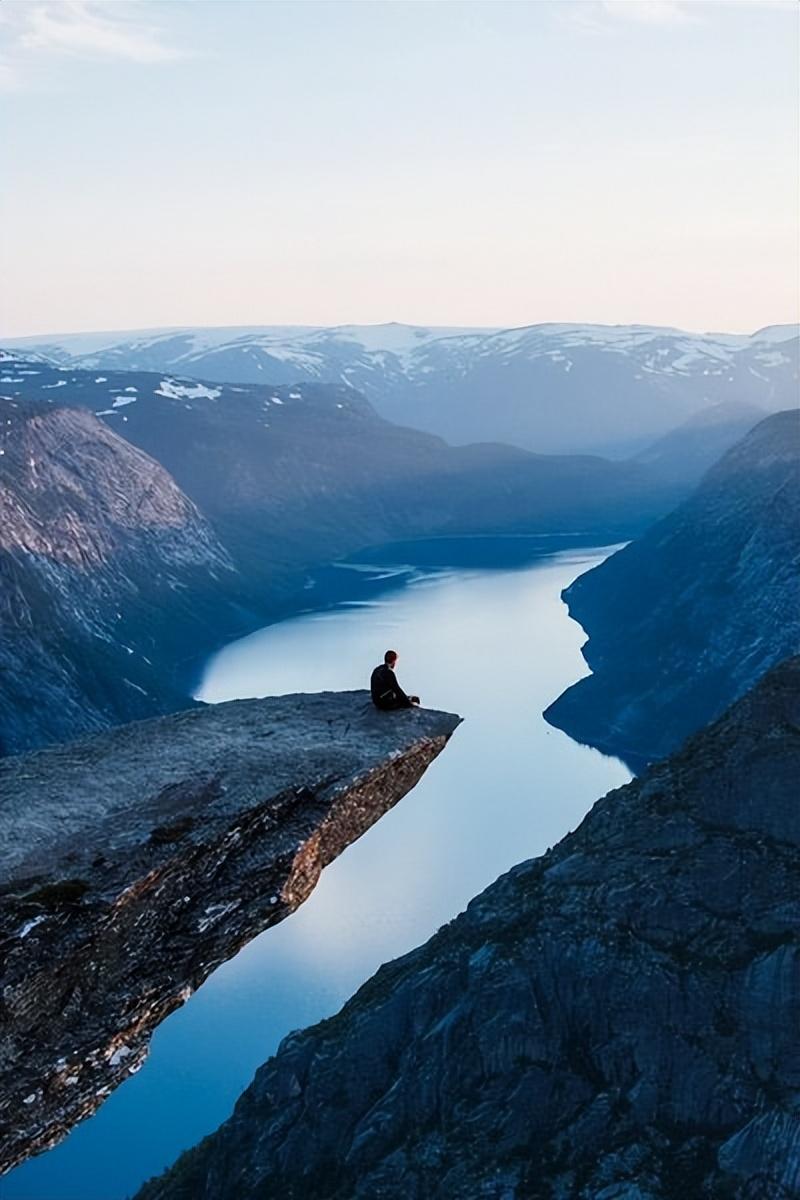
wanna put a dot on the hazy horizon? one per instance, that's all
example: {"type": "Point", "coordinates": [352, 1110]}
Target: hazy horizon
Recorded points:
{"type": "Point", "coordinates": [9, 339]}
{"type": "Point", "coordinates": [450, 164]}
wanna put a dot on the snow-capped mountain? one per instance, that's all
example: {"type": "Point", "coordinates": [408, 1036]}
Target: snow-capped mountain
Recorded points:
{"type": "Point", "coordinates": [551, 388]}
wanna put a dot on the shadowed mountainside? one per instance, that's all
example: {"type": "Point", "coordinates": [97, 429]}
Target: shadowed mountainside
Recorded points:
{"type": "Point", "coordinates": [108, 575]}
{"type": "Point", "coordinates": [686, 618]}
{"type": "Point", "coordinates": [683, 455]}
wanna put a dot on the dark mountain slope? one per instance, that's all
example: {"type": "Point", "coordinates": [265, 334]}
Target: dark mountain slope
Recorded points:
{"type": "Point", "coordinates": [685, 619]}
{"type": "Point", "coordinates": [683, 455]}
{"type": "Point", "coordinates": [616, 1019]}
{"type": "Point", "coordinates": [108, 575]}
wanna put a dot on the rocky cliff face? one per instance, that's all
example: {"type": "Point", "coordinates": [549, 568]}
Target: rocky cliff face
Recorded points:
{"type": "Point", "coordinates": [686, 618]}
{"type": "Point", "coordinates": [108, 576]}
{"type": "Point", "coordinates": [617, 1020]}
{"type": "Point", "coordinates": [136, 861]}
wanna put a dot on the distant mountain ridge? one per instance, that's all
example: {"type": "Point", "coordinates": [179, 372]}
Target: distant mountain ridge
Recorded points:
{"type": "Point", "coordinates": [684, 454]}
{"type": "Point", "coordinates": [308, 468]}
{"type": "Point", "coordinates": [551, 388]}
{"type": "Point", "coordinates": [685, 618]}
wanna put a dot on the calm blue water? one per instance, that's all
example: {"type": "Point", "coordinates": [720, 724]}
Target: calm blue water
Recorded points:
{"type": "Point", "coordinates": [493, 644]}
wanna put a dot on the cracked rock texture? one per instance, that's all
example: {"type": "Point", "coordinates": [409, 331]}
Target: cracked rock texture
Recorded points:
{"type": "Point", "coordinates": [686, 618]}
{"type": "Point", "coordinates": [136, 861]}
{"type": "Point", "coordinates": [617, 1020]}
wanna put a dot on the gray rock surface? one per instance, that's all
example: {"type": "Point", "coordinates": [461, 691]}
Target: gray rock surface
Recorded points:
{"type": "Point", "coordinates": [617, 1020]}
{"type": "Point", "coordinates": [686, 618]}
{"type": "Point", "coordinates": [136, 861]}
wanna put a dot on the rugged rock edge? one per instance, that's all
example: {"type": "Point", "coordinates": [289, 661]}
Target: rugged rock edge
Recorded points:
{"type": "Point", "coordinates": [136, 861]}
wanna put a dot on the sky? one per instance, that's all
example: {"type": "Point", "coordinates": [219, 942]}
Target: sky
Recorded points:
{"type": "Point", "coordinates": [449, 163]}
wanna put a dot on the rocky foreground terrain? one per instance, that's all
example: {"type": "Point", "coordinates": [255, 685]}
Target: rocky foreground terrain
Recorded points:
{"type": "Point", "coordinates": [617, 1020]}
{"type": "Point", "coordinates": [136, 861]}
{"type": "Point", "coordinates": [688, 616]}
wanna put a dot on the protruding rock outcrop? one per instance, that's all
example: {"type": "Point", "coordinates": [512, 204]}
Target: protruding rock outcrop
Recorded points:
{"type": "Point", "coordinates": [136, 861]}
{"type": "Point", "coordinates": [687, 618]}
{"type": "Point", "coordinates": [617, 1019]}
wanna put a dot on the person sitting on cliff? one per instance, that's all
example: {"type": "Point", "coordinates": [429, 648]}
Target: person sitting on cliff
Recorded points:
{"type": "Point", "coordinates": [386, 691]}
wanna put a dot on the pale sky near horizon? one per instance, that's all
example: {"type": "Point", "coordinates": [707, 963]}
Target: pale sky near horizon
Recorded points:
{"type": "Point", "coordinates": [450, 163]}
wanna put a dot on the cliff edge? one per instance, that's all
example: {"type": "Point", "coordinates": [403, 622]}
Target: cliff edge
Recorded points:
{"type": "Point", "coordinates": [136, 861]}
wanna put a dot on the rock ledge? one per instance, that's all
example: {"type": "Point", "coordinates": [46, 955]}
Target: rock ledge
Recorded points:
{"type": "Point", "coordinates": [136, 861]}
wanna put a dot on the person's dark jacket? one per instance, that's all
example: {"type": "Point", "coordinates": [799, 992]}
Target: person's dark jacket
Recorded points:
{"type": "Point", "coordinates": [386, 691]}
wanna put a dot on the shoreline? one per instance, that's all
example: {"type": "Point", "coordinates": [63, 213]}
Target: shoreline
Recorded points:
{"type": "Point", "coordinates": [356, 585]}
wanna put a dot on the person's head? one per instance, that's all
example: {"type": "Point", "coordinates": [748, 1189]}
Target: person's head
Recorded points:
{"type": "Point", "coordinates": [390, 658]}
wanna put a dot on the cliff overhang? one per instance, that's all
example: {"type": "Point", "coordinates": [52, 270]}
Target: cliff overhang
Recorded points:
{"type": "Point", "coordinates": [136, 861]}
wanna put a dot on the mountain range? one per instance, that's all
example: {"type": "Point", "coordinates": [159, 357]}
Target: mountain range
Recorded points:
{"type": "Point", "coordinates": [612, 1020]}
{"type": "Point", "coordinates": [552, 388]}
{"type": "Point", "coordinates": [297, 462]}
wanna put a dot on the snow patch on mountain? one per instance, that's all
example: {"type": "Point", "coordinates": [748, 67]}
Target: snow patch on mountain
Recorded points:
{"type": "Point", "coordinates": [186, 390]}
